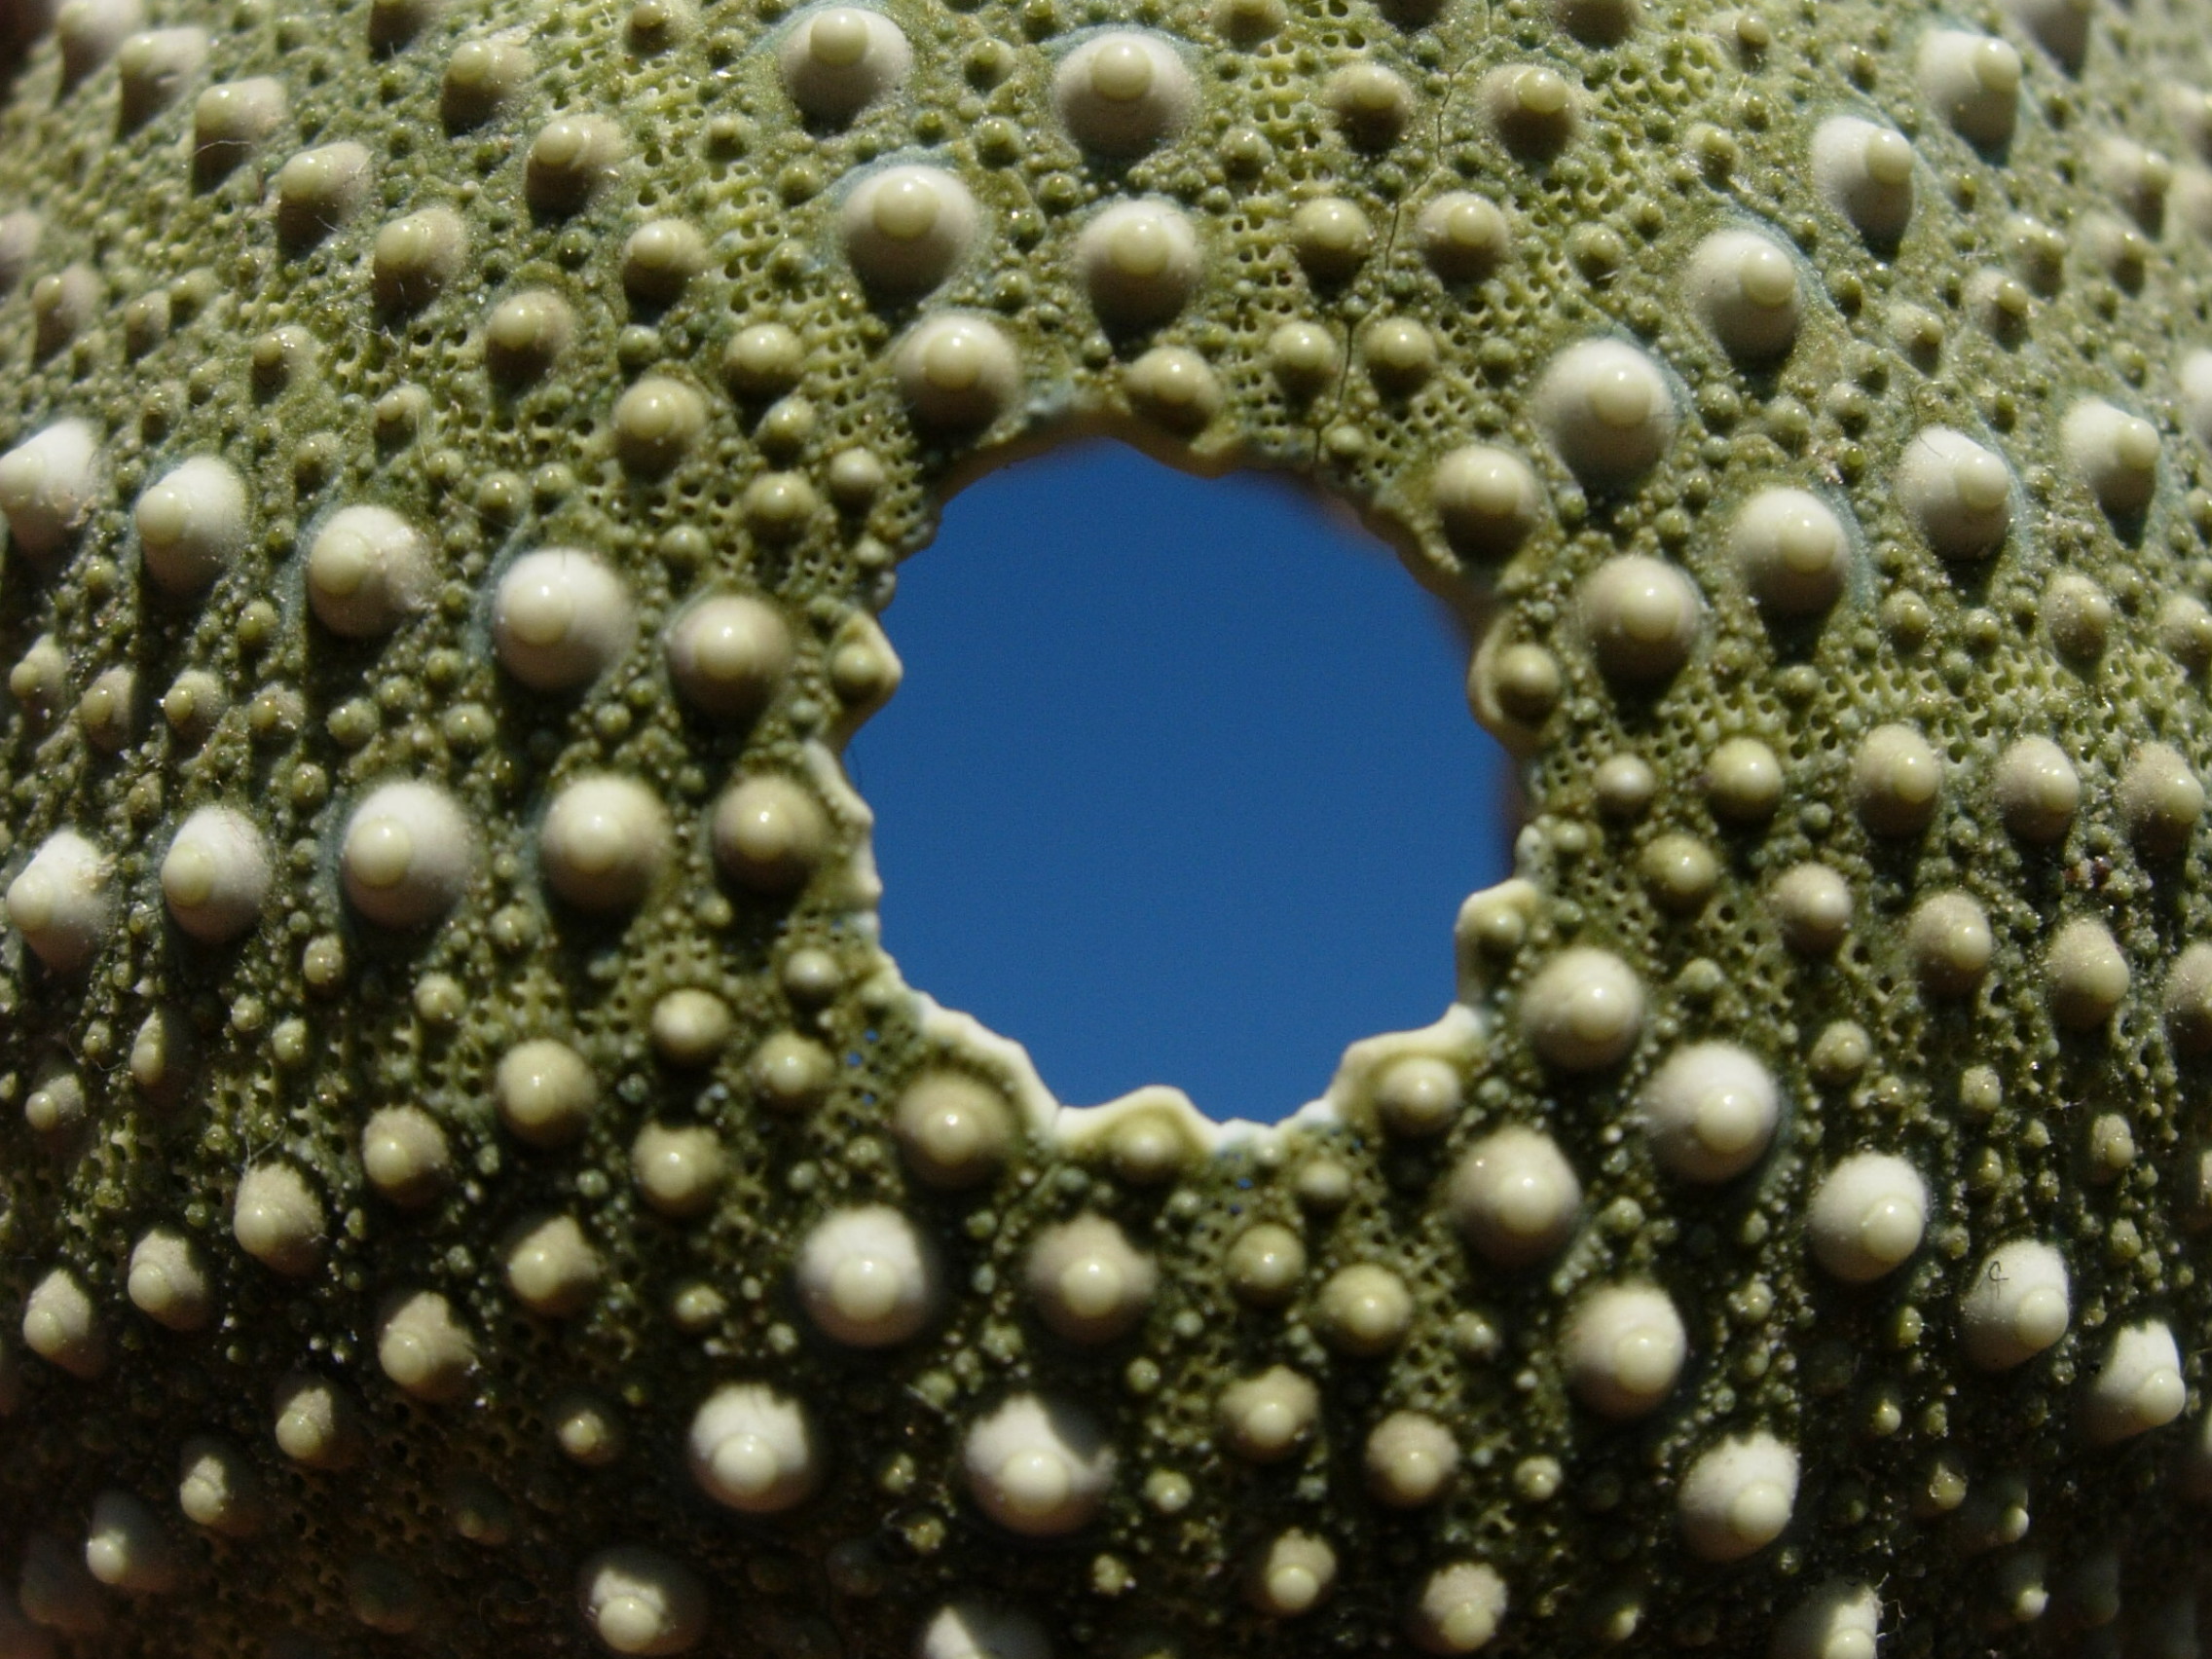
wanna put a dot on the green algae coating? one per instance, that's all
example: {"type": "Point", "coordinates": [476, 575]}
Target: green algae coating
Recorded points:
{"type": "Point", "coordinates": [165, 289]}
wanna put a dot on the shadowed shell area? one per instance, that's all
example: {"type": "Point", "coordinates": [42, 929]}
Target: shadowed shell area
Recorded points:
{"type": "Point", "coordinates": [471, 1183]}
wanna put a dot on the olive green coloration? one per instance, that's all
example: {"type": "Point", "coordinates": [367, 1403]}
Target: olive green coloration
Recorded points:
{"type": "Point", "coordinates": [471, 1183]}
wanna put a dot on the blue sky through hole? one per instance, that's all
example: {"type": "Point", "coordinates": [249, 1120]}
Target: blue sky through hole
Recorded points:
{"type": "Point", "coordinates": [1181, 785]}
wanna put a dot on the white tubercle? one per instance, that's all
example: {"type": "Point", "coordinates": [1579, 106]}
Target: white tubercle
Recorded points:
{"type": "Point", "coordinates": [168, 1281]}
{"type": "Point", "coordinates": [318, 1424]}
{"type": "Point", "coordinates": [1006, 1066]}
{"type": "Point", "coordinates": [1958, 494]}
{"type": "Point", "coordinates": [560, 619]}
{"type": "Point", "coordinates": [1864, 171]}
{"type": "Point", "coordinates": [2114, 453]}
{"type": "Point", "coordinates": [1123, 93]}
{"type": "Point", "coordinates": [2194, 381]}
{"type": "Point", "coordinates": [769, 833]}
{"type": "Point", "coordinates": [1291, 1575]}
{"type": "Point", "coordinates": [1038, 1467]}
{"type": "Point", "coordinates": [572, 158]}
{"type": "Point", "coordinates": [2136, 178]}
{"type": "Point", "coordinates": [1583, 1010]}
{"type": "Point", "coordinates": [1949, 943]}
{"type": "Point", "coordinates": [2193, 198]}
{"type": "Point", "coordinates": [605, 842]}
{"type": "Point", "coordinates": [906, 227]}
{"type": "Point", "coordinates": [1792, 552]}
{"type": "Point", "coordinates": [1737, 1497]}
{"type": "Point", "coordinates": [1742, 782]}
{"type": "Point", "coordinates": [1973, 80]}
{"type": "Point", "coordinates": [1409, 1082]}
{"type": "Point", "coordinates": [277, 1219]}
{"type": "Point", "coordinates": [318, 189]}
{"type": "Point", "coordinates": [1174, 386]}
{"type": "Point", "coordinates": [751, 1449]}
{"type": "Point", "coordinates": [1409, 1460]}
{"type": "Point", "coordinates": [88, 32]}
{"type": "Point", "coordinates": [839, 60]}
{"type": "Point", "coordinates": [1460, 1608]}
{"type": "Point", "coordinates": [525, 334]}
{"type": "Point", "coordinates": [2037, 790]}
{"type": "Point", "coordinates": [216, 1488]}
{"type": "Point", "coordinates": [153, 67]}
{"type": "Point", "coordinates": [128, 1549]}
{"type": "Point", "coordinates": [1418, 1095]}
{"type": "Point", "coordinates": [545, 1091]}
{"type": "Point", "coordinates": [1623, 1349]}
{"type": "Point", "coordinates": [969, 1630]}
{"type": "Point", "coordinates": [1532, 107]}
{"type": "Point", "coordinates": [1372, 104]}
{"type": "Point", "coordinates": [690, 1028]}
{"type": "Point", "coordinates": [727, 654]}
{"type": "Point", "coordinates": [424, 1347]}
{"type": "Point", "coordinates": [193, 524]}
{"type": "Point", "coordinates": [952, 1128]}
{"type": "Point", "coordinates": [639, 1602]}
{"type": "Point", "coordinates": [679, 1170]}
{"type": "Point", "coordinates": [61, 1326]}
{"type": "Point", "coordinates": [1815, 907]}
{"type": "Point", "coordinates": [20, 233]}
{"type": "Point", "coordinates": [233, 117]}
{"type": "Point", "coordinates": [1139, 262]}
{"type": "Point", "coordinates": [1896, 779]}
{"type": "Point", "coordinates": [655, 423]}
{"type": "Point", "coordinates": [60, 903]}
{"type": "Point", "coordinates": [48, 486]}
{"type": "Point", "coordinates": [2161, 799]}
{"type": "Point", "coordinates": [1641, 616]}
{"type": "Point", "coordinates": [2139, 1387]}
{"type": "Point", "coordinates": [587, 1430]}
{"type": "Point", "coordinates": [659, 259]}
{"type": "Point", "coordinates": [1515, 1196]}
{"type": "Point", "coordinates": [1267, 1417]}
{"type": "Point", "coordinates": [2017, 1305]}
{"type": "Point", "coordinates": [1363, 1309]}
{"type": "Point", "coordinates": [1087, 1280]}
{"type": "Point", "coordinates": [215, 875]}
{"type": "Point", "coordinates": [868, 1278]}
{"type": "Point", "coordinates": [1466, 235]}
{"type": "Point", "coordinates": [1709, 1110]}
{"type": "Point", "coordinates": [1145, 1136]}
{"type": "Point", "coordinates": [55, 1108]}
{"type": "Point", "coordinates": [1744, 286]}
{"type": "Point", "coordinates": [368, 570]}
{"type": "Point", "coordinates": [2061, 27]}
{"type": "Point", "coordinates": [1607, 410]}
{"type": "Point", "coordinates": [408, 857]}
{"type": "Point", "coordinates": [957, 372]}
{"type": "Point", "coordinates": [2087, 973]}
{"type": "Point", "coordinates": [1867, 1216]}
{"type": "Point", "coordinates": [1486, 499]}
{"type": "Point", "coordinates": [552, 1268]}
{"type": "Point", "coordinates": [1841, 1620]}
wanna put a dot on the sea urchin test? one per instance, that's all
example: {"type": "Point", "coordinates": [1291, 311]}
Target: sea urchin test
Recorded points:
{"type": "Point", "coordinates": [472, 1181]}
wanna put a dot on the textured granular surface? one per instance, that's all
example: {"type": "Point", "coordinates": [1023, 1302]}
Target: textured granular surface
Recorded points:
{"type": "Point", "coordinates": [470, 1181]}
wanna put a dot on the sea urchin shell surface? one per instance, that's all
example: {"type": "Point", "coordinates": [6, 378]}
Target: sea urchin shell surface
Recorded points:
{"type": "Point", "coordinates": [471, 1181]}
